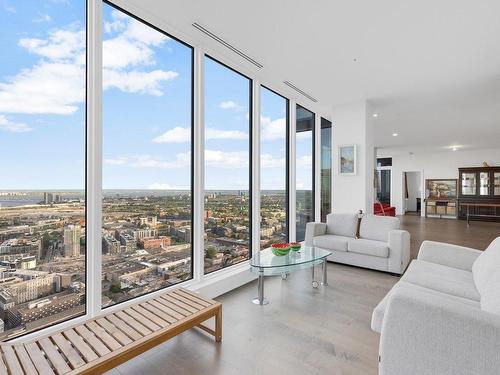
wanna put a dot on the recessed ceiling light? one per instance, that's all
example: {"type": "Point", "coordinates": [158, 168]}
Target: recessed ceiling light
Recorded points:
{"type": "Point", "coordinates": [395, 134]}
{"type": "Point", "coordinates": [454, 148]}
{"type": "Point", "coordinates": [375, 115]}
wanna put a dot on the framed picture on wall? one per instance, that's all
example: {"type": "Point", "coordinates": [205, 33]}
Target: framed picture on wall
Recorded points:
{"type": "Point", "coordinates": [347, 160]}
{"type": "Point", "coordinates": [441, 188]}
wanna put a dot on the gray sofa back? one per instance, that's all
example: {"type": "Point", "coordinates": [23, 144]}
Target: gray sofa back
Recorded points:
{"type": "Point", "coordinates": [378, 227]}
{"type": "Point", "coordinates": [342, 224]}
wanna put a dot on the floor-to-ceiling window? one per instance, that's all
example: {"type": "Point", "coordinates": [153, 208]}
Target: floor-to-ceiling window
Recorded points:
{"type": "Point", "coordinates": [42, 167]}
{"type": "Point", "coordinates": [147, 168]}
{"type": "Point", "coordinates": [274, 168]}
{"type": "Point", "coordinates": [304, 182]}
{"type": "Point", "coordinates": [326, 168]}
{"type": "Point", "coordinates": [227, 166]}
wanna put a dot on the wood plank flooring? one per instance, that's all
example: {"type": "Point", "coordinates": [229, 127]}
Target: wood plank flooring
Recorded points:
{"type": "Point", "coordinates": [302, 331]}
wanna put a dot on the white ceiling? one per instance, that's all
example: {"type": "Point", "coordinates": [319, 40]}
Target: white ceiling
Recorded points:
{"type": "Point", "coordinates": [430, 68]}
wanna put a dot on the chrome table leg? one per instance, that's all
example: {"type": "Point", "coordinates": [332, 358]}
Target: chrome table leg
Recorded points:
{"type": "Point", "coordinates": [260, 300]}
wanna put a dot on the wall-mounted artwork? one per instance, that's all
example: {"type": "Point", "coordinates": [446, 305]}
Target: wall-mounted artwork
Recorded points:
{"type": "Point", "coordinates": [441, 189]}
{"type": "Point", "coordinates": [347, 159]}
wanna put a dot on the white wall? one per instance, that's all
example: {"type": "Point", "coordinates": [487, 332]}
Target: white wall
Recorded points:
{"type": "Point", "coordinates": [435, 165]}
{"type": "Point", "coordinates": [352, 125]}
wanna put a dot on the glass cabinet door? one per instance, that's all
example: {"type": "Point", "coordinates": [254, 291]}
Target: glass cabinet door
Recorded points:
{"type": "Point", "coordinates": [484, 183]}
{"type": "Point", "coordinates": [496, 183]}
{"type": "Point", "coordinates": [468, 183]}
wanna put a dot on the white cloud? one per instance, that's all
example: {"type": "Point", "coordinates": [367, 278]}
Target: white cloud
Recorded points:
{"type": "Point", "coordinates": [135, 81]}
{"type": "Point", "coordinates": [267, 161]}
{"type": "Point", "coordinates": [9, 8]}
{"type": "Point", "coordinates": [162, 186]}
{"type": "Point", "coordinates": [221, 159]}
{"type": "Point", "coordinates": [272, 129]}
{"type": "Point", "coordinates": [42, 18]}
{"type": "Point", "coordinates": [229, 104]}
{"type": "Point", "coordinates": [60, 45]}
{"type": "Point", "coordinates": [55, 84]}
{"type": "Point", "coordinates": [49, 88]}
{"type": "Point", "coordinates": [147, 161]}
{"type": "Point", "coordinates": [175, 135]}
{"type": "Point", "coordinates": [304, 162]}
{"type": "Point", "coordinates": [182, 135]}
{"type": "Point", "coordinates": [13, 127]}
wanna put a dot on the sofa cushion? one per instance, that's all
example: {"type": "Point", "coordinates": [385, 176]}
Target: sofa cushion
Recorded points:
{"type": "Point", "coordinates": [378, 227]}
{"type": "Point", "coordinates": [379, 311]}
{"type": "Point", "coordinates": [442, 278]}
{"type": "Point", "coordinates": [331, 242]}
{"type": "Point", "coordinates": [486, 265]}
{"type": "Point", "coordinates": [368, 247]}
{"type": "Point", "coordinates": [342, 224]}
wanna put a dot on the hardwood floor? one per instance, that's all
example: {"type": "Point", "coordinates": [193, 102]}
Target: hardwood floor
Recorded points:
{"type": "Point", "coordinates": [302, 331]}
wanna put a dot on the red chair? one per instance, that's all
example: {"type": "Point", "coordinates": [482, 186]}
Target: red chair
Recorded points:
{"type": "Point", "coordinates": [383, 209]}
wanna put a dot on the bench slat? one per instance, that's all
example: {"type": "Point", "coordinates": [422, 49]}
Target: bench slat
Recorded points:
{"type": "Point", "coordinates": [150, 316]}
{"type": "Point", "coordinates": [25, 360]}
{"type": "Point", "coordinates": [142, 319]}
{"type": "Point", "coordinates": [155, 310]}
{"type": "Point", "coordinates": [3, 368]}
{"type": "Point", "coordinates": [179, 303]}
{"type": "Point", "coordinates": [167, 310]}
{"type": "Point", "coordinates": [11, 360]}
{"type": "Point", "coordinates": [85, 350]}
{"type": "Point", "coordinates": [120, 324]}
{"type": "Point", "coordinates": [114, 331]}
{"type": "Point", "coordinates": [58, 362]}
{"type": "Point", "coordinates": [65, 347]}
{"type": "Point", "coordinates": [179, 311]}
{"type": "Point", "coordinates": [188, 301]}
{"type": "Point", "coordinates": [139, 327]}
{"type": "Point", "coordinates": [38, 359]}
{"type": "Point", "coordinates": [92, 340]}
{"type": "Point", "coordinates": [192, 296]}
{"type": "Point", "coordinates": [105, 337]}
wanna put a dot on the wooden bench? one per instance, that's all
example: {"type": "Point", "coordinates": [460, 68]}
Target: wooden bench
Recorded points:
{"type": "Point", "coordinates": [107, 341]}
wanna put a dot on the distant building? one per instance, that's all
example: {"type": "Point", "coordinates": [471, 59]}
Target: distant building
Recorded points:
{"type": "Point", "coordinates": [110, 245]}
{"type": "Point", "coordinates": [72, 235]}
{"type": "Point", "coordinates": [48, 198]}
{"type": "Point", "coordinates": [142, 233]}
{"type": "Point", "coordinates": [155, 243]}
{"type": "Point", "coordinates": [128, 241]}
{"type": "Point", "coordinates": [149, 220]}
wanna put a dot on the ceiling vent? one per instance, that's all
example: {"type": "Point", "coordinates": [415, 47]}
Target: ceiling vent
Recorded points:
{"type": "Point", "coordinates": [207, 32]}
{"type": "Point", "coordinates": [291, 85]}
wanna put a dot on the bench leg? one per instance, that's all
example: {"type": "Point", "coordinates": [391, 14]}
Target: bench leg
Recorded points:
{"type": "Point", "coordinates": [218, 325]}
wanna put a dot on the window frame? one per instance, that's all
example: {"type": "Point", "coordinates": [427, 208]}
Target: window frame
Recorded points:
{"type": "Point", "coordinates": [313, 165]}
{"type": "Point", "coordinates": [287, 158]}
{"type": "Point", "coordinates": [192, 148]}
{"type": "Point", "coordinates": [93, 160]}
{"type": "Point", "coordinates": [330, 192]}
{"type": "Point", "coordinates": [250, 163]}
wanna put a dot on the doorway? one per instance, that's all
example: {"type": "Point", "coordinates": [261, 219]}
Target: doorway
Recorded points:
{"type": "Point", "coordinates": [412, 193]}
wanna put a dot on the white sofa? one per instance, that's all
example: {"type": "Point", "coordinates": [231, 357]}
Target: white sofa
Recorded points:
{"type": "Point", "coordinates": [381, 246]}
{"type": "Point", "coordinates": [443, 316]}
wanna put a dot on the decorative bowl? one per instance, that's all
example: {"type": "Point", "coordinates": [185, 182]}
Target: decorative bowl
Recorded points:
{"type": "Point", "coordinates": [295, 246]}
{"type": "Point", "coordinates": [280, 249]}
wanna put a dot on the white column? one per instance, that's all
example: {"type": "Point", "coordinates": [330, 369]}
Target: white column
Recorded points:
{"type": "Point", "coordinates": [291, 173]}
{"type": "Point", "coordinates": [353, 125]}
{"type": "Point", "coordinates": [94, 156]}
{"type": "Point", "coordinates": [255, 197]}
{"type": "Point", "coordinates": [198, 164]}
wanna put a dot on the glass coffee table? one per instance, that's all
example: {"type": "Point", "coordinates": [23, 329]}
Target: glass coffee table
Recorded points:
{"type": "Point", "coordinates": [269, 264]}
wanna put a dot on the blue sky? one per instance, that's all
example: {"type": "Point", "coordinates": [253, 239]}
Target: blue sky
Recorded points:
{"type": "Point", "coordinates": [146, 107]}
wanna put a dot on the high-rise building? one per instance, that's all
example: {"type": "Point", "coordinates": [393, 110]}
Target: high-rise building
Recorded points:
{"type": "Point", "coordinates": [72, 240]}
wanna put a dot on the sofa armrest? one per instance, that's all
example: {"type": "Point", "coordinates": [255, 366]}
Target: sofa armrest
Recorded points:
{"type": "Point", "coordinates": [426, 334]}
{"type": "Point", "coordinates": [448, 255]}
{"type": "Point", "coordinates": [399, 250]}
{"type": "Point", "coordinates": [313, 230]}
